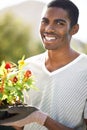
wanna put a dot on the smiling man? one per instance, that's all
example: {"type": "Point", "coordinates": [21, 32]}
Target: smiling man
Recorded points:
{"type": "Point", "coordinates": [61, 74]}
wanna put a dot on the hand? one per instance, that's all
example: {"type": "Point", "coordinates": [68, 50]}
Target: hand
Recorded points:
{"type": "Point", "coordinates": [24, 115]}
{"type": "Point", "coordinates": [18, 128]}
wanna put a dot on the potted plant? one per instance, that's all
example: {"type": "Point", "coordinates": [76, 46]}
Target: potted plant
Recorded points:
{"type": "Point", "coordinates": [13, 81]}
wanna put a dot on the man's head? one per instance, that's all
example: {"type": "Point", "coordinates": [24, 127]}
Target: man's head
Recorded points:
{"type": "Point", "coordinates": [70, 7]}
{"type": "Point", "coordinates": [58, 24]}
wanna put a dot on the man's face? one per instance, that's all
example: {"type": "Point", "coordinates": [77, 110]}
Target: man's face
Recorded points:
{"type": "Point", "coordinates": [55, 28]}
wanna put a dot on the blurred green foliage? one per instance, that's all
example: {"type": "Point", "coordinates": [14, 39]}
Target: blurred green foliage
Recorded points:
{"type": "Point", "coordinates": [16, 39]}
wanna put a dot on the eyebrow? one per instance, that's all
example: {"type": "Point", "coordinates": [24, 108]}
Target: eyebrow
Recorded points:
{"type": "Point", "coordinates": [56, 20]}
{"type": "Point", "coordinates": [60, 20]}
{"type": "Point", "coordinates": [44, 18]}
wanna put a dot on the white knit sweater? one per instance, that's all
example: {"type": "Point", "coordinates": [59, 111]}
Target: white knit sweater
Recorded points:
{"type": "Point", "coordinates": [62, 93]}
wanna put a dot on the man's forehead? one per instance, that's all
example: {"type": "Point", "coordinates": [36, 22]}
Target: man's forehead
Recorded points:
{"type": "Point", "coordinates": [54, 12]}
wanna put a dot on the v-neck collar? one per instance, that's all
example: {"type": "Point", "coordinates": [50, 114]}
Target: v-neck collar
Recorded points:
{"type": "Point", "coordinates": [62, 68]}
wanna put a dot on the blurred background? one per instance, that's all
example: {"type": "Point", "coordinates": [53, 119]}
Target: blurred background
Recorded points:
{"type": "Point", "coordinates": [19, 28]}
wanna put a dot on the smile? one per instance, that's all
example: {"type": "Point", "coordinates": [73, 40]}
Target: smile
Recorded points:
{"type": "Point", "coordinates": [49, 38]}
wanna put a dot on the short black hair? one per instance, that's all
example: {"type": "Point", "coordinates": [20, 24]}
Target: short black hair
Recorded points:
{"type": "Point", "coordinates": [70, 7]}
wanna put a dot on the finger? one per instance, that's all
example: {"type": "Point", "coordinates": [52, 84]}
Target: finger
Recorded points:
{"type": "Point", "coordinates": [18, 128]}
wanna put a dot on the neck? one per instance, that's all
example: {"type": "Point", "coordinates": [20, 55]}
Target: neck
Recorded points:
{"type": "Point", "coordinates": [58, 59]}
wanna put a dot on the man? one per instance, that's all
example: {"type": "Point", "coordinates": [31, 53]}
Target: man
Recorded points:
{"type": "Point", "coordinates": [60, 74]}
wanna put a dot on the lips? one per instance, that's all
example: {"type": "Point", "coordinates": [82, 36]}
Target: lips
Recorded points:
{"type": "Point", "coordinates": [49, 38]}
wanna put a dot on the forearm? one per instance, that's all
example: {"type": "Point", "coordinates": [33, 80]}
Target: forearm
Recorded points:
{"type": "Point", "coordinates": [29, 116]}
{"type": "Point", "coordinates": [18, 128]}
{"type": "Point", "coordinates": [53, 125]}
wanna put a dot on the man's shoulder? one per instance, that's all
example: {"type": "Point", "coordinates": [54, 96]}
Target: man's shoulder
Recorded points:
{"type": "Point", "coordinates": [83, 57]}
{"type": "Point", "coordinates": [35, 58]}
{"type": "Point", "coordinates": [82, 62]}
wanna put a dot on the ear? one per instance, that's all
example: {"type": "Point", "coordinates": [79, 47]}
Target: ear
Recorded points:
{"type": "Point", "coordinates": [74, 29]}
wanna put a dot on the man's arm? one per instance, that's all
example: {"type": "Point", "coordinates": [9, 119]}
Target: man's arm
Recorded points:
{"type": "Point", "coordinates": [31, 114]}
{"type": "Point", "coordinates": [54, 125]}
{"type": "Point", "coordinates": [18, 128]}
{"type": "Point", "coordinates": [86, 123]}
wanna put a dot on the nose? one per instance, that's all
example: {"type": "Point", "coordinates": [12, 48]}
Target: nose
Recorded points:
{"type": "Point", "coordinates": [50, 28]}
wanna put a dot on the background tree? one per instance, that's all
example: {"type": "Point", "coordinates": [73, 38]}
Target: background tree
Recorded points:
{"type": "Point", "coordinates": [16, 39]}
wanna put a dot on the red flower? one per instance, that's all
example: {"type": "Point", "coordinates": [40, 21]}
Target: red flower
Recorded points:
{"type": "Point", "coordinates": [15, 79]}
{"type": "Point", "coordinates": [27, 74]}
{"type": "Point", "coordinates": [7, 66]}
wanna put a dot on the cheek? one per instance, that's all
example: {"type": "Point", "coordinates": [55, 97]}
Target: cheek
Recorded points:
{"type": "Point", "coordinates": [41, 28]}
{"type": "Point", "coordinates": [41, 32]}
{"type": "Point", "coordinates": [63, 32]}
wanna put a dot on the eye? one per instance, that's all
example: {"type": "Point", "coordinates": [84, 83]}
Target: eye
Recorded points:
{"type": "Point", "coordinates": [60, 22]}
{"type": "Point", "coordinates": [44, 21]}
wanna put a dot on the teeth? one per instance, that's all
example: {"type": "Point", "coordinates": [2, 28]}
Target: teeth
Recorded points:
{"type": "Point", "coordinates": [50, 38]}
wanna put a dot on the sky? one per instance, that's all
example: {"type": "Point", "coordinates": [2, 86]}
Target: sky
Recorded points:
{"type": "Point", "coordinates": [81, 4]}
